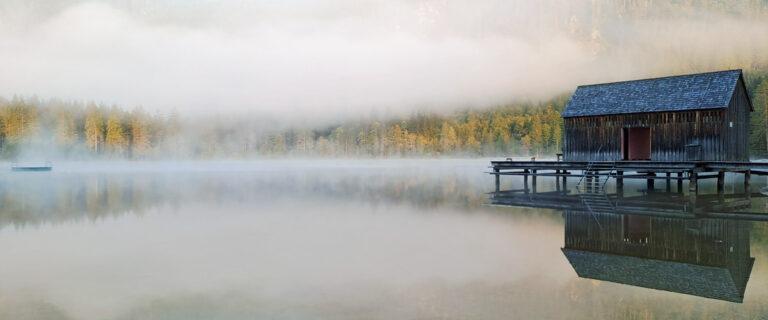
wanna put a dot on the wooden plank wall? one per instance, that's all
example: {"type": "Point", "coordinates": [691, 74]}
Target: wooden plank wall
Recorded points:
{"type": "Point", "coordinates": [737, 136]}
{"type": "Point", "coordinates": [599, 138]}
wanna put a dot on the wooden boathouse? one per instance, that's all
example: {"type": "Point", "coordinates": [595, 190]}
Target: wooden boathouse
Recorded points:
{"type": "Point", "coordinates": [681, 127]}
{"type": "Point", "coordinates": [683, 118]}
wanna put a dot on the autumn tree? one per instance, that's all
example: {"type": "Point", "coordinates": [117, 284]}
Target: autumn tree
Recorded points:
{"type": "Point", "coordinates": [139, 133]}
{"type": "Point", "coordinates": [115, 140]}
{"type": "Point", "coordinates": [94, 128]}
{"type": "Point", "coordinates": [66, 129]}
{"type": "Point", "coordinates": [448, 138]}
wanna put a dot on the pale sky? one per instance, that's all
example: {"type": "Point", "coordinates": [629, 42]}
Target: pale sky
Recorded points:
{"type": "Point", "coordinates": [348, 58]}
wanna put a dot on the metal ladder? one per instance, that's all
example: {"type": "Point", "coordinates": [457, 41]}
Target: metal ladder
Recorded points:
{"type": "Point", "coordinates": [591, 186]}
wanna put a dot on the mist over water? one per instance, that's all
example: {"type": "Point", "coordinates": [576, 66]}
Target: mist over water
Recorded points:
{"type": "Point", "coordinates": [330, 239]}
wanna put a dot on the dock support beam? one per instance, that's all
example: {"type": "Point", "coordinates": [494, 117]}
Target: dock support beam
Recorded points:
{"type": "Point", "coordinates": [619, 179]}
{"type": "Point", "coordinates": [533, 181]}
{"type": "Point", "coordinates": [693, 188]}
{"type": "Point", "coordinates": [720, 181]}
{"type": "Point", "coordinates": [669, 182]}
{"type": "Point", "coordinates": [565, 183]}
{"type": "Point", "coordinates": [525, 180]}
{"type": "Point", "coordinates": [680, 182]}
{"type": "Point", "coordinates": [498, 182]}
{"type": "Point", "coordinates": [747, 177]}
{"type": "Point", "coordinates": [650, 182]}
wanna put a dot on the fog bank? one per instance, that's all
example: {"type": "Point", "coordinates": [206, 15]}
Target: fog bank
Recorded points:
{"type": "Point", "coordinates": [339, 59]}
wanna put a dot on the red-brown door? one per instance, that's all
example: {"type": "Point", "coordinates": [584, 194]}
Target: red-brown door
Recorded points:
{"type": "Point", "coordinates": [636, 143]}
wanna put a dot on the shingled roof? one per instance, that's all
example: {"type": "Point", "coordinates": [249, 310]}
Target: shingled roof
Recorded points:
{"type": "Point", "coordinates": [712, 90]}
{"type": "Point", "coordinates": [698, 280]}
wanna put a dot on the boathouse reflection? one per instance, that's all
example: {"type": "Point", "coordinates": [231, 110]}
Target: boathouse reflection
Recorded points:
{"type": "Point", "coordinates": [702, 257]}
{"type": "Point", "coordinates": [661, 241]}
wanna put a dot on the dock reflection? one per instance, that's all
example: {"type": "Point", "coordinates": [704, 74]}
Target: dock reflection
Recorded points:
{"type": "Point", "coordinates": [666, 241]}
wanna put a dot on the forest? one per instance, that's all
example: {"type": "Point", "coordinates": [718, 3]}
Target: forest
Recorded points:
{"type": "Point", "coordinates": [35, 128]}
{"type": "Point", "coordinates": [42, 129]}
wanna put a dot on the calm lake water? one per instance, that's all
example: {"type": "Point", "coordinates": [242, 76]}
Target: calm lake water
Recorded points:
{"type": "Point", "coordinates": [385, 239]}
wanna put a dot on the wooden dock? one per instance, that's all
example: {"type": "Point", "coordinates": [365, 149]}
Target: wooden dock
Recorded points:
{"type": "Point", "coordinates": [677, 171]}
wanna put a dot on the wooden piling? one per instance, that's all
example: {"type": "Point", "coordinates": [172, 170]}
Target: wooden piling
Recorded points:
{"type": "Point", "coordinates": [525, 180]}
{"type": "Point", "coordinates": [498, 179]}
{"type": "Point", "coordinates": [720, 181]}
{"type": "Point", "coordinates": [747, 177]}
{"type": "Point", "coordinates": [651, 182]}
{"type": "Point", "coordinates": [669, 181]}
{"type": "Point", "coordinates": [619, 179]}
{"type": "Point", "coordinates": [680, 182]}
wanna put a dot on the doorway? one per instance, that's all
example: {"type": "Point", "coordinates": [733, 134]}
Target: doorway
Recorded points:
{"type": "Point", "coordinates": [636, 143]}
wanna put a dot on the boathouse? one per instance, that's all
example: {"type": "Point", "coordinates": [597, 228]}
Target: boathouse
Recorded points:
{"type": "Point", "coordinates": [696, 117]}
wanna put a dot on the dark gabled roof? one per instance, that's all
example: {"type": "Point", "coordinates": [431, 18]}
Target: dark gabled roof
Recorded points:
{"type": "Point", "coordinates": [698, 280]}
{"type": "Point", "coordinates": [712, 90]}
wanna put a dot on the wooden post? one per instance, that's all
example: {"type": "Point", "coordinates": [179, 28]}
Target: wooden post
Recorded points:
{"type": "Point", "coordinates": [498, 182]}
{"type": "Point", "coordinates": [669, 181]}
{"type": "Point", "coordinates": [565, 183]}
{"type": "Point", "coordinates": [525, 180]}
{"type": "Point", "coordinates": [651, 182]}
{"type": "Point", "coordinates": [619, 180]}
{"type": "Point", "coordinates": [747, 176]}
{"type": "Point", "coordinates": [693, 189]}
{"type": "Point", "coordinates": [693, 185]}
{"type": "Point", "coordinates": [680, 182]}
{"type": "Point", "coordinates": [533, 181]}
{"type": "Point", "coordinates": [720, 181]}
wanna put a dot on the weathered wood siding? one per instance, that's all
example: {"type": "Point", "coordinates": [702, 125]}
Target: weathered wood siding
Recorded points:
{"type": "Point", "coordinates": [598, 138]}
{"type": "Point", "coordinates": [736, 137]}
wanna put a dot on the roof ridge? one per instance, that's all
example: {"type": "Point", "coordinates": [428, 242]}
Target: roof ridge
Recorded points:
{"type": "Point", "coordinates": [659, 78]}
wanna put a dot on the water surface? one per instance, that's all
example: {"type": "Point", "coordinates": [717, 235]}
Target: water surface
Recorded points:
{"type": "Point", "coordinates": [332, 239]}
